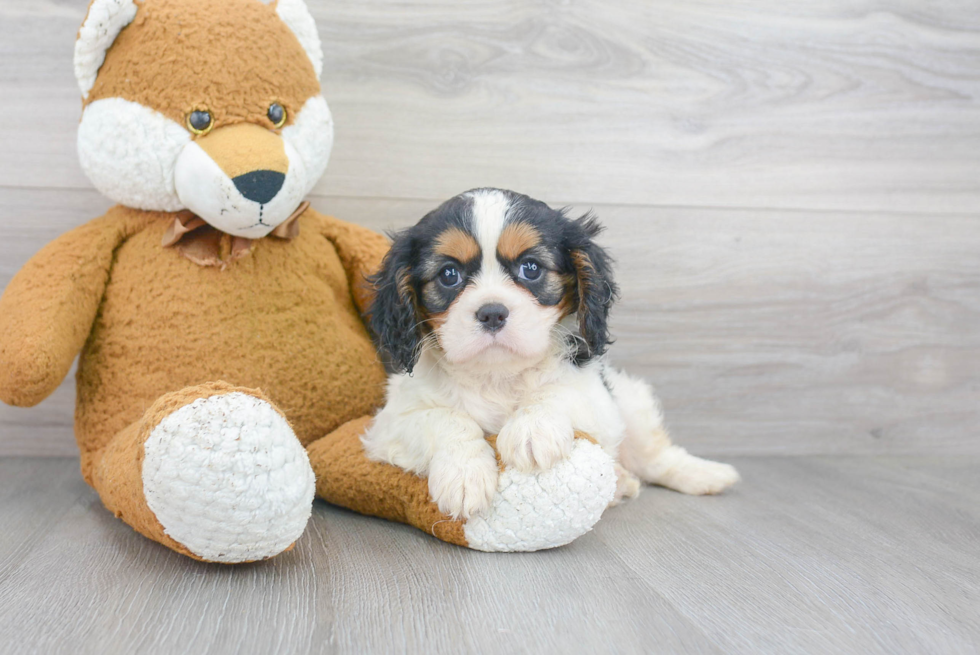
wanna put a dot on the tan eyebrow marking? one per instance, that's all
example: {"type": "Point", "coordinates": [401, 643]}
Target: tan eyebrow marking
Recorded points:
{"type": "Point", "coordinates": [517, 238]}
{"type": "Point", "coordinates": [458, 244]}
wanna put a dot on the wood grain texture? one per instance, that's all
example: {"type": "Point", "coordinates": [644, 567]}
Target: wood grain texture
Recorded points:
{"type": "Point", "coordinates": [765, 332]}
{"type": "Point", "coordinates": [809, 555]}
{"type": "Point", "coordinates": [817, 555]}
{"type": "Point", "coordinates": [841, 104]}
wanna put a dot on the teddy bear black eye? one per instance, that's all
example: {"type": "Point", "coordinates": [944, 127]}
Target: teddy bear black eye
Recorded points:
{"type": "Point", "coordinates": [199, 121]}
{"type": "Point", "coordinates": [530, 270]}
{"type": "Point", "coordinates": [277, 114]}
{"type": "Point", "coordinates": [449, 276]}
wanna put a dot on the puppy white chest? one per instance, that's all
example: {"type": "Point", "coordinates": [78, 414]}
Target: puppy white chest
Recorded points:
{"type": "Point", "coordinates": [491, 402]}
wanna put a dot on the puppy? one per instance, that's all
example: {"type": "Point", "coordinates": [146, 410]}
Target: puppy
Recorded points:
{"type": "Point", "coordinates": [492, 314]}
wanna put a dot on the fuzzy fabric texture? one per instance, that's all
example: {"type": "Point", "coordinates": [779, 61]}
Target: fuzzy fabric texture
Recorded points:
{"type": "Point", "coordinates": [285, 318]}
{"type": "Point", "coordinates": [346, 477]}
{"type": "Point", "coordinates": [295, 14]}
{"type": "Point", "coordinates": [233, 58]}
{"type": "Point", "coordinates": [549, 508]}
{"type": "Point", "coordinates": [226, 477]}
{"type": "Point", "coordinates": [281, 319]}
{"type": "Point", "coordinates": [105, 19]}
{"type": "Point", "coordinates": [130, 153]}
{"type": "Point", "coordinates": [530, 511]}
{"type": "Point", "coordinates": [126, 466]}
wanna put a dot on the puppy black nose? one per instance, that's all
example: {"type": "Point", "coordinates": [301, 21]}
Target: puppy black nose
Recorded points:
{"type": "Point", "coordinates": [259, 186]}
{"type": "Point", "coordinates": [492, 316]}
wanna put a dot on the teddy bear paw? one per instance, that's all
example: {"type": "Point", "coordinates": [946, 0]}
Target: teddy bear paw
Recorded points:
{"type": "Point", "coordinates": [545, 509]}
{"type": "Point", "coordinates": [227, 478]}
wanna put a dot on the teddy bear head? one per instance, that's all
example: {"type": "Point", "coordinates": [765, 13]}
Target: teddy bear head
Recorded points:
{"type": "Point", "coordinates": [213, 107]}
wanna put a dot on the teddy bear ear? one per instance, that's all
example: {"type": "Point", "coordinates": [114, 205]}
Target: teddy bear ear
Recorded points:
{"type": "Point", "coordinates": [104, 22]}
{"type": "Point", "coordinates": [298, 18]}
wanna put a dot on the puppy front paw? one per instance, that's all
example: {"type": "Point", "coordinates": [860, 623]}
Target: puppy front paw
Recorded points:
{"type": "Point", "coordinates": [463, 479]}
{"type": "Point", "coordinates": [535, 438]}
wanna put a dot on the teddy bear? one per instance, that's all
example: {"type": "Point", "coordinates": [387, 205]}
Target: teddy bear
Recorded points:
{"type": "Point", "coordinates": [225, 373]}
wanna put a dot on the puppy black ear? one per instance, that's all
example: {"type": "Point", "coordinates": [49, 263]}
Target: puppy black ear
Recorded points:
{"type": "Point", "coordinates": [394, 313]}
{"type": "Point", "coordinates": [595, 288]}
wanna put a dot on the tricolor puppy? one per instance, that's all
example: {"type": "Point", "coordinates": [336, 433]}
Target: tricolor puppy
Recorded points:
{"type": "Point", "coordinates": [492, 311]}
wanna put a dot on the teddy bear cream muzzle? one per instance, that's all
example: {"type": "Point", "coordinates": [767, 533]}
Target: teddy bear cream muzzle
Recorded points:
{"type": "Point", "coordinates": [243, 179]}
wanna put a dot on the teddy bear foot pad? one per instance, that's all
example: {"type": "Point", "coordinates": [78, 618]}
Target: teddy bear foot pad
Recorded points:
{"type": "Point", "coordinates": [227, 478]}
{"type": "Point", "coordinates": [212, 471]}
{"type": "Point", "coordinates": [530, 511]}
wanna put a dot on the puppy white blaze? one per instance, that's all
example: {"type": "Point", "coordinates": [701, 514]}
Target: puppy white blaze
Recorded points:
{"type": "Point", "coordinates": [526, 335]}
{"type": "Point", "coordinates": [489, 217]}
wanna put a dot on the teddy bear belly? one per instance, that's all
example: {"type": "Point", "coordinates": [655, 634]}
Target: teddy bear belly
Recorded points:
{"type": "Point", "coordinates": [279, 320]}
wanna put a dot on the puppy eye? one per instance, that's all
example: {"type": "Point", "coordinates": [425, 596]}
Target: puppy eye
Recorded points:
{"type": "Point", "coordinates": [530, 270]}
{"type": "Point", "coordinates": [277, 114]}
{"type": "Point", "coordinates": [199, 121]}
{"type": "Point", "coordinates": [449, 276]}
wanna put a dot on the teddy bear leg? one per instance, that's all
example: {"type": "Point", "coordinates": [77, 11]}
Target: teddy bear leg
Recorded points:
{"type": "Point", "coordinates": [211, 471]}
{"type": "Point", "coordinates": [530, 511]}
{"type": "Point", "coordinates": [346, 477]}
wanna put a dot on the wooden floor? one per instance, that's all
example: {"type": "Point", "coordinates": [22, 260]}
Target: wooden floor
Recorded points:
{"type": "Point", "coordinates": [811, 554]}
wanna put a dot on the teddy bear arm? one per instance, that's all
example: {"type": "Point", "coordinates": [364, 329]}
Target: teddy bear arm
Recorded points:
{"type": "Point", "coordinates": [47, 310]}
{"type": "Point", "coordinates": [360, 250]}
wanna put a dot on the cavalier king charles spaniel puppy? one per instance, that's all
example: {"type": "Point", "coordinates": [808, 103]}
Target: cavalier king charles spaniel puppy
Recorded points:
{"type": "Point", "coordinates": [491, 314]}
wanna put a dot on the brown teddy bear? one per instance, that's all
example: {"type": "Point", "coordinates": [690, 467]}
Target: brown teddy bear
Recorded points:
{"type": "Point", "coordinates": [211, 280]}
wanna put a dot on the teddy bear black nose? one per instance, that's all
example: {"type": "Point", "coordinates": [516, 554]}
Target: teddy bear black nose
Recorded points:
{"type": "Point", "coordinates": [259, 186]}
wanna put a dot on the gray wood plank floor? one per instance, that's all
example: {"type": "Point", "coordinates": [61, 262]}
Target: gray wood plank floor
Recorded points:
{"type": "Point", "coordinates": [810, 554]}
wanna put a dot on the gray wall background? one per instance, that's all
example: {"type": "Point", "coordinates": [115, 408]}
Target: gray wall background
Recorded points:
{"type": "Point", "coordinates": [791, 189]}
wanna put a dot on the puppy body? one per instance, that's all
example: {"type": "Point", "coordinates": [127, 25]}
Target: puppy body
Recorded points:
{"type": "Point", "coordinates": [493, 312]}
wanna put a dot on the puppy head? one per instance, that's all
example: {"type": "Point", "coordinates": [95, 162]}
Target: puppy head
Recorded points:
{"type": "Point", "coordinates": [488, 277]}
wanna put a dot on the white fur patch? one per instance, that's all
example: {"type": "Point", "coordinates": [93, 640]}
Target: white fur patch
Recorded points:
{"type": "Point", "coordinates": [207, 191]}
{"type": "Point", "coordinates": [297, 17]}
{"type": "Point", "coordinates": [105, 20]}
{"type": "Point", "coordinates": [489, 217]}
{"type": "Point", "coordinates": [129, 152]}
{"type": "Point", "coordinates": [546, 509]}
{"type": "Point", "coordinates": [138, 157]}
{"type": "Point", "coordinates": [227, 478]}
{"type": "Point", "coordinates": [311, 135]}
